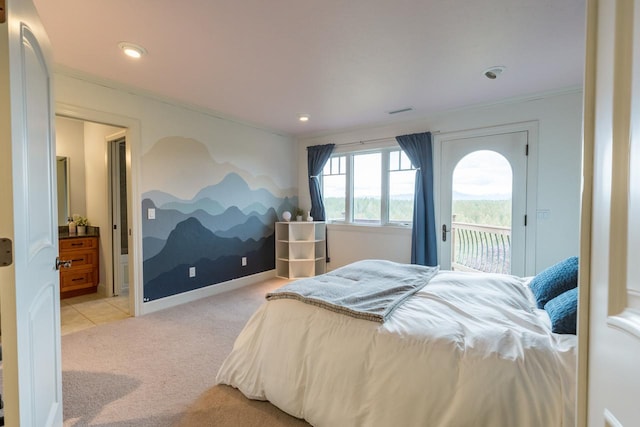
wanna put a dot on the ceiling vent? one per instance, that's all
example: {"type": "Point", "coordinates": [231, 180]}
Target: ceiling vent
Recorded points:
{"type": "Point", "coordinates": [402, 110]}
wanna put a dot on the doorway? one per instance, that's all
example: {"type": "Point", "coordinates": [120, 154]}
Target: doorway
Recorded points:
{"type": "Point", "coordinates": [87, 144]}
{"type": "Point", "coordinates": [119, 209]}
{"type": "Point", "coordinates": [483, 203]}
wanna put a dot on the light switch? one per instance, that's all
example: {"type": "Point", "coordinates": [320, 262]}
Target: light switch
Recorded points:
{"type": "Point", "coordinates": [544, 214]}
{"type": "Point", "coordinates": [151, 213]}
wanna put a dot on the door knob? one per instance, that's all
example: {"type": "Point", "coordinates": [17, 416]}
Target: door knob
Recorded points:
{"type": "Point", "coordinates": [61, 263]}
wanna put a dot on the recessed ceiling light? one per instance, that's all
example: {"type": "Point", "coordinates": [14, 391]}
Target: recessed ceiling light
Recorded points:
{"type": "Point", "coordinates": [303, 117]}
{"type": "Point", "coordinates": [132, 50]}
{"type": "Point", "coordinates": [492, 73]}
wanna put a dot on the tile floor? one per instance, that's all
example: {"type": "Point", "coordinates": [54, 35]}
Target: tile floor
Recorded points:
{"type": "Point", "coordinates": [86, 311]}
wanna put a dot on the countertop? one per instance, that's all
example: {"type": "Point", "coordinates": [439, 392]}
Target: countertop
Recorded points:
{"type": "Point", "coordinates": [63, 232]}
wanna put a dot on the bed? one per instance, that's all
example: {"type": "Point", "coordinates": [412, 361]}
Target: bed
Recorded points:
{"type": "Point", "coordinates": [464, 349]}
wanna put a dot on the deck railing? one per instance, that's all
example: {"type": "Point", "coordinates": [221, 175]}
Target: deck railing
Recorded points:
{"type": "Point", "coordinates": [483, 248]}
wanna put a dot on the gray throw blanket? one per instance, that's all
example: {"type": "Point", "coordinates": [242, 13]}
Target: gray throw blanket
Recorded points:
{"type": "Point", "coordinates": [370, 289]}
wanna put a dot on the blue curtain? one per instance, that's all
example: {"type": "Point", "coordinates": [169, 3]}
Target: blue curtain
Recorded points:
{"type": "Point", "coordinates": [317, 156]}
{"type": "Point", "coordinates": [423, 240]}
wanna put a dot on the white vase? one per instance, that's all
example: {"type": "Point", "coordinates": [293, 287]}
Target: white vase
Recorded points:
{"type": "Point", "coordinates": [82, 229]}
{"type": "Point", "coordinates": [299, 218]}
{"type": "Point", "coordinates": [286, 215]}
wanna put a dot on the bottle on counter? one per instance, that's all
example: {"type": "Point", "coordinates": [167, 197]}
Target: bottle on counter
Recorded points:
{"type": "Point", "coordinates": [72, 225]}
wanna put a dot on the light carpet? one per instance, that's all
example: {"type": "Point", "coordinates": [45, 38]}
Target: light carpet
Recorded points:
{"type": "Point", "coordinates": [160, 369]}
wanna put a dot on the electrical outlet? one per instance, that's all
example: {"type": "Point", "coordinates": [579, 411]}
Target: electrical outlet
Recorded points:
{"type": "Point", "coordinates": [151, 213]}
{"type": "Point", "coordinates": [192, 272]}
{"type": "Point", "coordinates": [244, 261]}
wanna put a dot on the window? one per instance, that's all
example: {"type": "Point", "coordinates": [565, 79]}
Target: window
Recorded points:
{"type": "Point", "coordinates": [371, 187]}
{"type": "Point", "coordinates": [367, 188]}
{"type": "Point", "coordinates": [402, 178]}
{"type": "Point", "coordinates": [334, 187]}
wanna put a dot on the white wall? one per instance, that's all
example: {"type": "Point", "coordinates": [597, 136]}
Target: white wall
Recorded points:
{"type": "Point", "coordinates": [559, 117]}
{"type": "Point", "coordinates": [70, 144]}
{"type": "Point", "coordinates": [237, 143]}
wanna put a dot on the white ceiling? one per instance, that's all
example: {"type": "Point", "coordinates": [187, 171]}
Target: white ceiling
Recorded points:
{"type": "Point", "coordinates": [345, 63]}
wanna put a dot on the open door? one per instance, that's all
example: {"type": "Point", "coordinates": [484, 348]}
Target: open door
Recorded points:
{"type": "Point", "coordinates": [119, 211]}
{"type": "Point", "coordinates": [494, 241]}
{"type": "Point", "coordinates": [609, 317]}
{"type": "Point", "coordinates": [29, 281]}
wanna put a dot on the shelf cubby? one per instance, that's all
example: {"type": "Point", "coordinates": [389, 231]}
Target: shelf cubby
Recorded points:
{"type": "Point", "coordinates": [300, 249]}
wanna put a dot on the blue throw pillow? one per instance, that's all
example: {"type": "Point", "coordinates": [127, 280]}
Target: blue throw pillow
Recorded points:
{"type": "Point", "coordinates": [563, 312]}
{"type": "Point", "coordinates": [555, 280]}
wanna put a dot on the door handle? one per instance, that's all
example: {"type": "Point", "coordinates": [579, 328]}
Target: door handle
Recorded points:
{"type": "Point", "coordinates": [61, 263]}
{"type": "Point", "coordinates": [444, 232]}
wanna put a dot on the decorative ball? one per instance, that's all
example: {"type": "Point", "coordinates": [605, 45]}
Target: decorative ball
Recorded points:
{"type": "Point", "coordinates": [286, 215]}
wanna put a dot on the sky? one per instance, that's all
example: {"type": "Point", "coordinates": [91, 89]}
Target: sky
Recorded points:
{"type": "Point", "coordinates": [482, 175]}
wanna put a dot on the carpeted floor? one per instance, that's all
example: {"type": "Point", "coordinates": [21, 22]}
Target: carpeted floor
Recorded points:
{"type": "Point", "coordinates": [159, 369]}
{"type": "Point", "coordinates": [226, 407]}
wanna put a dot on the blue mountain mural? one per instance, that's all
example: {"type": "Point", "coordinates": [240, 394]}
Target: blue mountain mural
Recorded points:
{"type": "Point", "coordinates": [210, 272]}
{"type": "Point", "coordinates": [253, 228]}
{"type": "Point", "coordinates": [212, 207]}
{"type": "Point", "coordinates": [259, 209]}
{"type": "Point", "coordinates": [217, 259]}
{"type": "Point", "coordinates": [216, 228]}
{"type": "Point", "coordinates": [234, 191]}
{"type": "Point", "coordinates": [151, 246]}
{"type": "Point", "coordinates": [167, 220]}
{"type": "Point", "coordinates": [190, 242]}
{"type": "Point", "coordinates": [231, 191]}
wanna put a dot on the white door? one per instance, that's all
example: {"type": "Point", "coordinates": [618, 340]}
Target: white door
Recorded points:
{"type": "Point", "coordinates": [497, 244]}
{"type": "Point", "coordinates": [119, 212]}
{"type": "Point", "coordinates": [609, 317]}
{"type": "Point", "coordinates": [29, 286]}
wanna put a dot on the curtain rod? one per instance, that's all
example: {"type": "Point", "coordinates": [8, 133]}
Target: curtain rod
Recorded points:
{"type": "Point", "coordinates": [364, 142]}
{"type": "Point", "coordinates": [370, 141]}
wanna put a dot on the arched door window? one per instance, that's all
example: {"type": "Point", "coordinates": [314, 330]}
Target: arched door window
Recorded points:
{"type": "Point", "coordinates": [483, 203]}
{"type": "Point", "coordinates": [481, 221]}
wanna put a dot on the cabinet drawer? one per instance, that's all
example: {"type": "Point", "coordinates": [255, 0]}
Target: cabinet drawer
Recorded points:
{"type": "Point", "coordinates": [79, 258]}
{"type": "Point", "coordinates": [78, 243]}
{"type": "Point", "coordinates": [70, 280]}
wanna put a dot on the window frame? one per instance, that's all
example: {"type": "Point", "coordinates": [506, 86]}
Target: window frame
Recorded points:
{"type": "Point", "coordinates": [385, 185]}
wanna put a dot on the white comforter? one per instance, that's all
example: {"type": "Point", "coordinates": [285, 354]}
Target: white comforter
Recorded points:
{"type": "Point", "coordinates": [466, 350]}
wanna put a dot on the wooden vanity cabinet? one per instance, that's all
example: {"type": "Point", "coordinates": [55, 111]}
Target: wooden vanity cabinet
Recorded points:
{"type": "Point", "coordinates": [83, 276]}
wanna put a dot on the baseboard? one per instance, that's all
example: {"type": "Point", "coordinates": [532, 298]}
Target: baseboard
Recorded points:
{"type": "Point", "coordinates": [196, 294]}
{"type": "Point", "coordinates": [102, 289]}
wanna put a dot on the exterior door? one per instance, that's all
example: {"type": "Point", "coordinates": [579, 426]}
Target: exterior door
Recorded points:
{"type": "Point", "coordinates": [609, 317]}
{"type": "Point", "coordinates": [494, 249]}
{"type": "Point", "coordinates": [29, 282]}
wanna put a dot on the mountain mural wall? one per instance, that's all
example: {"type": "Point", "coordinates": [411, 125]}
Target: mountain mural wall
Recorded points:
{"type": "Point", "coordinates": [223, 222]}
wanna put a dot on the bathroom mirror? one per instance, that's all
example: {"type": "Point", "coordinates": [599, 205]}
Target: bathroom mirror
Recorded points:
{"type": "Point", "coordinates": [62, 166]}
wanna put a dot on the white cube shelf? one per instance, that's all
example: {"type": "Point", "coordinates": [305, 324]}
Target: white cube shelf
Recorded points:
{"type": "Point", "coordinates": [300, 249]}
